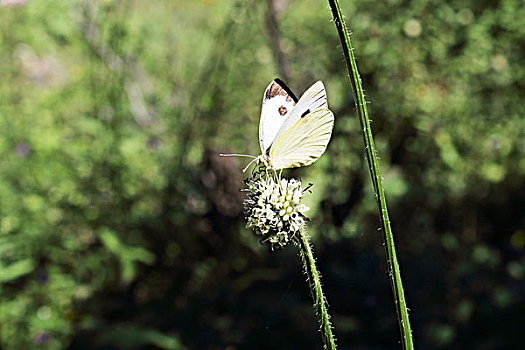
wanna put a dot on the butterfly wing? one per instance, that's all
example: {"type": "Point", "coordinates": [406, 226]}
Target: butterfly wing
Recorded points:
{"type": "Point", "coordinates": [303, 142]}
{"type": "Point", "coordinates": [313, 99]}
{"type": "Point", "coordinates": [278, 104]}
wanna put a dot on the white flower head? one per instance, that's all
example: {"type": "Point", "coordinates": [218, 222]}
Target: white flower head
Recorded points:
{"type": "Point", "coordinates": [272, 208]}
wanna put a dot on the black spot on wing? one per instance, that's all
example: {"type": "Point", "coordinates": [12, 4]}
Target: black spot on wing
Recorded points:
{"type": "Point", "coordinates": [305, 113]}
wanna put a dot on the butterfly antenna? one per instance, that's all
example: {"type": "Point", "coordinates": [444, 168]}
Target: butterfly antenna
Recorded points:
{"type": "Point", "coordinates": [236, 155]}
{"type": "Point", "coordinates": [250, 163]}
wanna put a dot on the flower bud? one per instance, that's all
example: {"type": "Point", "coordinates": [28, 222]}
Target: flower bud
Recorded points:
{"type": "Point", "coordinates": [272, 208]}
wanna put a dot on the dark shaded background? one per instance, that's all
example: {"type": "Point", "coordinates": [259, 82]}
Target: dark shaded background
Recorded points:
{"type": "Point", "coordinates": [121, 228]}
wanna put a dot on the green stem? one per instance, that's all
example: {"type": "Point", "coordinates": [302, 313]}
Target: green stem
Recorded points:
{"type": "Point", "coordinates": [359, 98]}
{"type": "Point", "coordinates": [314, 282]}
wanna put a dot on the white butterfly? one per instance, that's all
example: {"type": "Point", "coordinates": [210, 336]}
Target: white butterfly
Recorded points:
{"type": "Point", "coordinates": [293, 133]}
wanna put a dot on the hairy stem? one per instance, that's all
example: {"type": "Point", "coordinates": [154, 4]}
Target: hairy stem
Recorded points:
{"type": "Point", "coordinates": [359, 98]}
{"type": "Point", "coordinates": [314, 282]}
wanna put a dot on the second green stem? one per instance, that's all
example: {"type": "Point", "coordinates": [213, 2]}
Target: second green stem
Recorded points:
{"type": "Point", "coordinates": [359, 97]}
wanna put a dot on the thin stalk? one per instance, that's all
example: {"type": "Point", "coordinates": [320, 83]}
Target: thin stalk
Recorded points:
{"type": "Point", "coordinates": [359, 98]}
{"type": "Point", "coordinates": [314, 282]}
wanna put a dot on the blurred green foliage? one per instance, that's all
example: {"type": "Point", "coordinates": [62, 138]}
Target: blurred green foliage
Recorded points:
{"type": "Point", "coordinates": [122, 229]}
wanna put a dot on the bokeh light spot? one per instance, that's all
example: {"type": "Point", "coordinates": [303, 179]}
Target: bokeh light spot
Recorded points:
{"type": "Point", "coordinates": [412, 28]}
